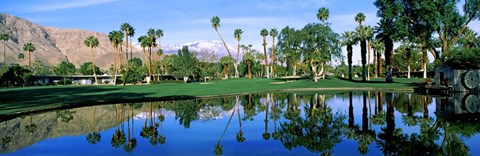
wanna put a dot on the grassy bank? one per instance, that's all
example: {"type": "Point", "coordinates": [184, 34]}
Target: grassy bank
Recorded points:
{"type": "Point", "coordinates": [20, 100]}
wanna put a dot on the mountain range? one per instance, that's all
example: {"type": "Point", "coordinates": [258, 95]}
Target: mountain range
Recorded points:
{"type": "Point", "coordinates": [54, 45]}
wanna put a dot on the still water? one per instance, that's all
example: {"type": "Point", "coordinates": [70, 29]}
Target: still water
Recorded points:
{"type": "Point", "coordinates": [350, 123]}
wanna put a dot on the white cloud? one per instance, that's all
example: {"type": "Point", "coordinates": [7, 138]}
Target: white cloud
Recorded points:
{"type": "Point", "coordinates": [68, 5]}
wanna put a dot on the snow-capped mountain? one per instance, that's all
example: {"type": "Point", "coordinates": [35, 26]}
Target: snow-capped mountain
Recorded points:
{"type": "Point", "coordinates": [200, 47]}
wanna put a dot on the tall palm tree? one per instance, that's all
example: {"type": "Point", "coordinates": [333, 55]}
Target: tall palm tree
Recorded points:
{"type": "Point", "coordinates": [368, 36]}
{"type": "Point", "coordinates": [126, 27]}
{"type": "Point", "coordinates": [385, 34]}
{"type": "Point", "coordinates": [323, 14]}
{"type": "Point", "coordinates": [360, 17]}
{"type": "Point", "coordinates": [362, 35]}
{"type": "Point", "coordinates": [238, 35]}
{"type": "Point", "coordinates": [274, 34]}
{"type": "Point", "coordinates": [131, 32]}
{"type": "Point", "coordinates": [4, 38]}
{"type": "Point", "coordinates": [30, 48]}
{"type": "Point", "coordinates": [216, 24]}
{"type": "Point", "coordinates": [143, 40]}
{"type": "Point", "coordinates": [264, 33]}
{"type": "Point", "coordinates": [151, 44]}
{"type": "Point", "coordinates": [116, 38]}
{"type": "Point", "coordinates": [375, 45]}
{"type": "Point", "coordinates": [92, 42]}
{"type": "Point", "coordinates": [349, 38]}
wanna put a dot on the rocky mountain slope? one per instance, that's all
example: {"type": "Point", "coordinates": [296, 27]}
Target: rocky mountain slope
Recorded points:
{"type": "Point", "coordinates": [54, 45]}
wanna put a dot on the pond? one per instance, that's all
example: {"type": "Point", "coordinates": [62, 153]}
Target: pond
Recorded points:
{"type": "Point", "coordinates": [304, 123]}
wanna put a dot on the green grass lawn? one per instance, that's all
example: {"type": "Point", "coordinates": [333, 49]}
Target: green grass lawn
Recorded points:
{"type": "Point", "coordinates": [21, 100]}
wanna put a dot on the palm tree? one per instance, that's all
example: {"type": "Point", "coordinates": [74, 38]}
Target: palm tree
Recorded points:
{"type": "Point", "coordinates": [143, 40]}
{"type": "Point", "coordinates": [368, 36]}
{"type": "Point", "coordinates": [30, 48]}
{"type": "Point", "coordinates": [125, 27]}
{"type": "Point", "coordinates": [151, 44]}
{"type": "Point", "coordinates": [264, 33]}
{"type": "Point", "coordinates": [116, 38]}
{"type": "Point", "coordinates": [349, 38]}
{"type": "Point", "coordinates": [375, 45]}
{"type": "Point", "coordinates": [21, 56]}
{"type": "Point", "coordinates": [225, 60]}
{"type": "Point", "coordinates": [215, 24]}
{"type": "Point", "coordinates": [249, 58]}
{"type": "Point", "coordinates": [92, 42]}
{"type": "Point", "coordinates": [238, 35]}
{"type": "Point", "coordinates": [131, 32]}
{"type": "Point", "coordinates": [4, 38]}
{"type": "Point", "coordinates": [360, 17]}
{"type": "Point", "coordinates": [159, 55]}
{"type": "Point", "coordinates": [469, 38]}
{"type": "Point", "coordinates": [323, 14]}
{"type": "Point", "coordinates": [384, 30]}
{"type": "Point", "coordinates": [273, 33]}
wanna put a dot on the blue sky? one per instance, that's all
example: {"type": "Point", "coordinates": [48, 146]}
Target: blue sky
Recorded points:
{"type": "Point", "coordinates": [189, 20]}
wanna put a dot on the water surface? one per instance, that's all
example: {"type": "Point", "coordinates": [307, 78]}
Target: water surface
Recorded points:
{"type": "Point", "coordinates": [350, 123]}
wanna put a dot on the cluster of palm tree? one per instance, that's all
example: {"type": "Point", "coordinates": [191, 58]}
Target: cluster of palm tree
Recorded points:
{"type": "Point", "coordinates": [364, 35]}
{"type": "Point", "coordinates": [235, 60]}
{"type": "Point", "coordinates": [150, 41]}
{"type": "Point", "coordinates": [117, 39]}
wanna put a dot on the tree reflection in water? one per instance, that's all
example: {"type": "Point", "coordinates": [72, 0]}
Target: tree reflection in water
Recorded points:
{"type": "Point", "coordinates": [319, 132]}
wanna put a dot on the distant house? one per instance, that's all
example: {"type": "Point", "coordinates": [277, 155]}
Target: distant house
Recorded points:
{"type": "Point", "coordinates": [76, 79]}
{"type": "Point", "coordinates": [458, 78]}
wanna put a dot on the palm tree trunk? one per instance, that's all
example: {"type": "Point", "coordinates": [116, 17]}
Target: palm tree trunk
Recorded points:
{"type": "Point", "coordinates": [375, 63]}
{"type": "Point", "coordinates": [126, 50]}
{"type": "Point", "coordinates": [236, 63]}
{"type": "Point", "coordinates": [272, 61]}
{"type": "Point", "coordinates": [265, 54]}
{"type": "Point", "coordinates": [368, 61]}
{"type": "Point", "coordinates": [379, 64]}
{"type": "Point", "coordinates": [363, 47]}
{"type": "Point", "coordinates": [225, 70]}
{"type": "Point", "coordinates": [4, 53]}
{"type": "Point", "coordinates": [424, 62]}
{"type": "Point", "coordinates": [388, 42]}
{"type": "Point", "coordinates": [93, 65]}
{"type": "Point", "coordinates": [146, 60]}
{"type": "Point", "coordinates": [131, 49]}
{"type": "Point", "coordinates": [249, 70]}
{"type": "Point", "coordinates": [224, 44]}
{"type": "Point", "coordinates": [122, 62]}
{"type": "Point", "coordinates": [29, 61]}
{"type": "Point", "coordinates": [159, 59]}
{"type": "Point", "coordinates": [115, 52]}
